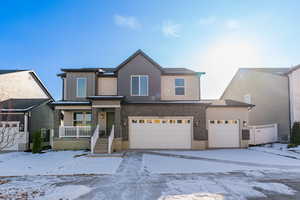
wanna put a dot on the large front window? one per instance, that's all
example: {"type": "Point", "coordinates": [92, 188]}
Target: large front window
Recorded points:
{"type": "Point", "coordinates": [179, 86]}
{"type": "Point", "coordinates": [81, 87]}
{"type": "Point", "coordinates": [82, 118]}
{"type": "Point", "coordinates": [139, 85]}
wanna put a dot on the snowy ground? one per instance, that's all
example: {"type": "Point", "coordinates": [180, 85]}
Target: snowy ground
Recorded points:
{"type": "Point", "coordinates": [55, 163]}
{"type": "Point", "coordinates": [163, 175]}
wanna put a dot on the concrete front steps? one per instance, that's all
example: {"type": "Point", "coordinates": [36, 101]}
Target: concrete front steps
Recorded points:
{"type": "Point", "coordinates": [101, 146]}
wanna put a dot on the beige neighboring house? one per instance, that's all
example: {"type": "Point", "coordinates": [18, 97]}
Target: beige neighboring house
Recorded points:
{"type": "Point", "coordinates": [21, 84]}
{"type": "Point", "coordinates": [294, 84]}
{"type": "Point", "coordinates": [268, 90]}
{"type": "Point", "coordinates": [24, 108]}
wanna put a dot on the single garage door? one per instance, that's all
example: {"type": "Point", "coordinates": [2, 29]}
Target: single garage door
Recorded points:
{"type": "Point", "coordinates": [223, 133]}
{"type": "Point", "coordinates": [160, 133]}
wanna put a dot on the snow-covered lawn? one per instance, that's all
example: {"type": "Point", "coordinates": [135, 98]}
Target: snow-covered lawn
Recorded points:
{"type": "Point", "coordinates": [254, 155]}
{"type": "Point", "coordinates": [55, 163]}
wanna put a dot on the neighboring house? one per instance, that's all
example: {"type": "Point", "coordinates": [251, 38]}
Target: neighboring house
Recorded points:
{"type": "Point", "coordinates": [294, 84]}
{"type": "Point", "coordinates": [267, 89]}
{"type": "Point", "coordinates": [144, 106]}
{"type": "Point", "coordinates": [25, 105]}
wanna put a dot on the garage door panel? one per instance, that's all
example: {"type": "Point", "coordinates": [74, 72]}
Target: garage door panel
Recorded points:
{"type": "Point", "coordinates": [160, 135]}
{"type": "Point", "coordinates": [224, 134]}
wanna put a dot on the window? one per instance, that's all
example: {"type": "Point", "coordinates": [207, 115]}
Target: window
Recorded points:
{"type": "Point", "coordinates": [82, 118]}
{"type": "Point", "coordinates": [139, 85]}
{"type": "Point", "coordinates": [81, 87]}
{"type": "Point", "coordinates": [247, 98]}
{"type": "Point", "coordinates": [179, 86]}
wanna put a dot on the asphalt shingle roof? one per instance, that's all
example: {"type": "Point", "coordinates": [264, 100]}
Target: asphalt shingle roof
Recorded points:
{"type": "Point", "coordinates": [21, 104]}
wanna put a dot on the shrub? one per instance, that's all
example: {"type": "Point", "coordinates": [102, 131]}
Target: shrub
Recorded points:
{"type": "Point", "coordinates": [37, 142]}
{"type": "Point", "coordinates": [295, 135]}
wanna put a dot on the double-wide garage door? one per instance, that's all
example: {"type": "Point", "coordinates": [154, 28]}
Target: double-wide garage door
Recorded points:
{"type": "Point", "coordinates": [223, 134]}
{"type": "Point", "coordinates": [160, 133]}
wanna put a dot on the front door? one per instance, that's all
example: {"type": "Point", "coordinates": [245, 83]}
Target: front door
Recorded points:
{"type": "Point", "coordinates": [110, 119]}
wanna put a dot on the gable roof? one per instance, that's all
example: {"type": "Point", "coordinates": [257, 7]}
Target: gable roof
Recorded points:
{"type": "Point", "coordinates": [293, 69]}
{"type": "Point", "coordinates": [227, 103]}
{"type": "Point", "coordinates": [274, 71]}
{"type": "Point", "coordinates": [102, 71]}
{"type": "Point", "coordinates": [35, 77]}
{"type": "Point", "coordinates": [138, 52]}
{"type": "Point", "coordinates": [7, 71]}
{"type": "Point", "coordinates": [21, 105]}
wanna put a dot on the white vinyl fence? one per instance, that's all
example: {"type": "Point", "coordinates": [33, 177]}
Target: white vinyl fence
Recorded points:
{"type": "Point", "coordinates": [263, 134]}
{"type": "Point", "coordinates": [11, 139]}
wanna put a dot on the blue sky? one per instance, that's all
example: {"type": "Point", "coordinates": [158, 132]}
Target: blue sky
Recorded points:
{"type": "Point", "coordinates": [216, 37]}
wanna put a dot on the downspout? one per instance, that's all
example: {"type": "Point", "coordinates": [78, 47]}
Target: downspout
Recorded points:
{"type": "Point", "coordinates": [289, 101]}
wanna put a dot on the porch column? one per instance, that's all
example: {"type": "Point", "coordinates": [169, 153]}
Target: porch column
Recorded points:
{"type": "Point", "coordinates": [94, 119]}
{"type": "Point", "coordinates": [56, 122]}
{"type": "Point", "coordinates": [118, 131]}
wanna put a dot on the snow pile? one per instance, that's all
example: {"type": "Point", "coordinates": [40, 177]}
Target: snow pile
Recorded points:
{"type": "Point", "coordinates": [66, 192]}
{"type": "Point", "coordinates": [55, 163]}
{"type": "Point", "coordinates": [218, 188]}
{"type": "Point", "coordinates": [278, 149]}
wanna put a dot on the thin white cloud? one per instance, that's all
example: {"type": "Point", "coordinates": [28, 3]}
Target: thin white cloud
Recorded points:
{"type": "Point", "coordinates": [207, 21]}
{"type": "Point", "coordinates": [232, 24]}
{"type": "Point", "coordinates": [127, 21]}
{"type": "Point", "coordinates": [171, 29]}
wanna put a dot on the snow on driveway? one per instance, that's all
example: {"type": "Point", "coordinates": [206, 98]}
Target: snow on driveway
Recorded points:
{"type": "Point", "coordinates": [240, 155]}
{"type": "Point", "coordinates": [219, 188]}
{"type": "Point", "coordinates": [166, 165]}
{"type": "Point", "coordinates": [55, 163]}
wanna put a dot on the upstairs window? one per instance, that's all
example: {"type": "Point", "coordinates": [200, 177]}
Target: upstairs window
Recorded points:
{"type": "Point", "coordinates": [139, 85]}
{"type": "Point", "coordinates": [179, 86]}
{"type": "Point", "coordinates": [82, 119]}
{"type": "Point", "coordinates": [81, 87]}
{"type": "Point", "coordinates": [247, 98]}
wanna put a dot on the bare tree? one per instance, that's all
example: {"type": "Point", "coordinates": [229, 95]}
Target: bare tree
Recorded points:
{"type": "Point", "coordinates": [9, 132]}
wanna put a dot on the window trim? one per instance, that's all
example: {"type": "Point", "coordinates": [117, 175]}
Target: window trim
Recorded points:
{"type": "Point", "coordinates": [179, 86]}
{"type": "Point", "coordinates": [139, 78]}
{"type": "Point", "coordinates": [77, 91]}
{"type": "Point", "coordinates": [84, 120]}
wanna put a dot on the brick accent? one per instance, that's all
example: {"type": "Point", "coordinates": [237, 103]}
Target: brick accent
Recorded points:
{"type": "Point", "coordinates": [198, 111]}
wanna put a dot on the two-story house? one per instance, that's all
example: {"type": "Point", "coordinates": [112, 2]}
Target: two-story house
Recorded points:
{"type": "Point", "coordinates": [144, 106]}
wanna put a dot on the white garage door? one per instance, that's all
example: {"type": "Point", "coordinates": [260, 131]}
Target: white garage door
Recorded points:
{"type": "Point", "coordinates": [160, 133]}
{"type": "Point", "coordinates": [223, 133]}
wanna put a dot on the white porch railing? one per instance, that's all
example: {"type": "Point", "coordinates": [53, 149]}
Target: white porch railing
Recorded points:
{"type": "Point", "coordinates": [263, 134]}
{"type": "Point", "coordinates": [111, 139]}
{"type": "Point", "coordinates": [75, 131]}
{"type": "Point", "coordinates": [94, 139]}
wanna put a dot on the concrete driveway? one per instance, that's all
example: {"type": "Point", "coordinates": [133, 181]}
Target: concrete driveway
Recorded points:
{"type": "Point", "coordinates": [134, 181]}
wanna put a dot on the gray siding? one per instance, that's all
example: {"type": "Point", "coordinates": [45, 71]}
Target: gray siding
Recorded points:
{"type": "Point", "coordinates": [198, 111]}
{"type": "Point", "coordinates": [139, 66]}
{"type": "Point", "coordinates": [269, 94]}
{"type": "Point", "coordinates": [71, 84]}
{"type": "Point", "coordinates": [41, 117]}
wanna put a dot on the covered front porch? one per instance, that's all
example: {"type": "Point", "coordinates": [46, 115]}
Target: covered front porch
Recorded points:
{"type": "Point", "coordinates": [90, 125]}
